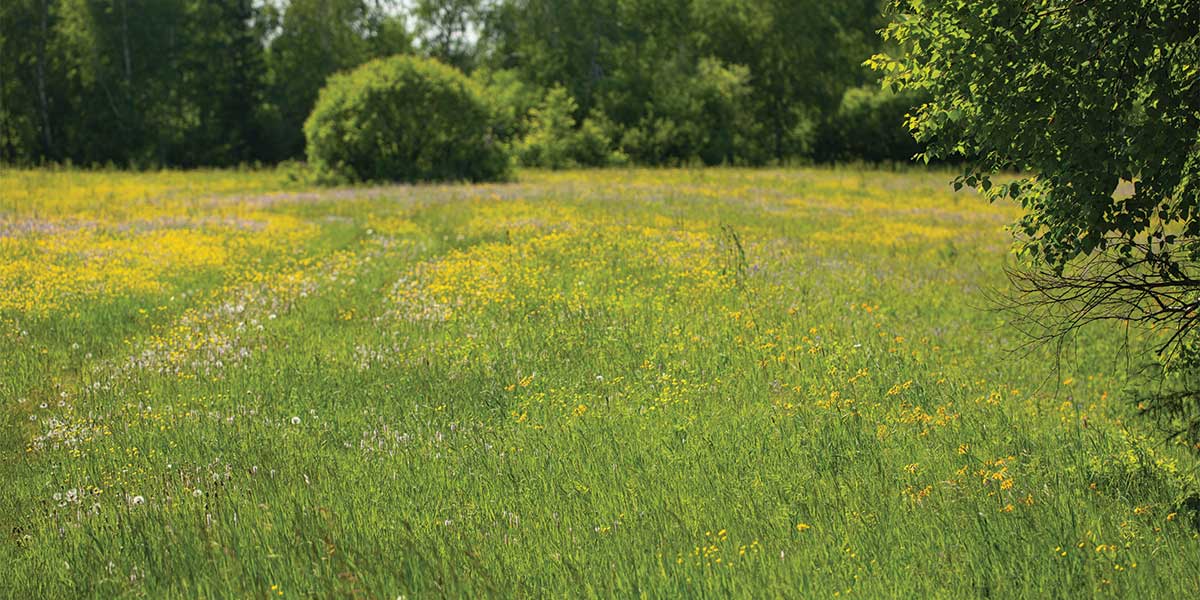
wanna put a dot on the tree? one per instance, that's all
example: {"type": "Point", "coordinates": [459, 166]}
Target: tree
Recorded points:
{"type": "Point", "coordinates": [701, 113]}
{"type": "Point", "coordinates": [24, 131]}
{"type": "Point", "coordinates": [220, 82]}
{"type": "Point", "coordinates": [802, 56]}
{"type": "Point", "coordinates": [315, 39]}
{"type": "Point", "coordinates": [1079, 98]}
{"type": "Point", "coordinates": [227, 94]}
{"type": "Point", "coordinates": [447, 28]}
{"type": "Point", "coordinates": [123, 100]}
{"type": "Point", "coordinates": [627, 58]}
{"type": "Point", "coordinates": [136, 81]}
{"type": "Point", "coordinates": [557, 42]}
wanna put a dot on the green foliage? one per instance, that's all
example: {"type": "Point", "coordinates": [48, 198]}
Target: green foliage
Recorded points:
{"type": "Point", "coordinates": [133, 82]}
{"type": "Point", "coordinates": [511, 100]}
{"type": "Point", "coordinates": [201, 82]}
{"type": "Point", "coordinates": [556, 141]}
{"type": "Point", "coordinates": [802, 55]}
{"type": "Point", "coordinates": [550, 142]}
{"type": "Point", "coordinates": [732, 133]}
{"type": "Point", "coordinates": [445, 28]}
{"type": "Point", "coordinates": [1096, 106]}
{"type": "Point", "coordinates": [594, 145]}
{"type": "Point", "coordinates": [19, 128]}
{"type": "Point", "coordinates": [641, 62]}
{"type": "Point", "coordinates": [403, 119]}
{"type": "Point", "coordinates": [313, 39]}
{"type": "Point", "coordinates": [1078, 96]}
{"type": "Point", "coordinates": [702, 117]}
{"type": "Point", "coordinates": [871, 124]}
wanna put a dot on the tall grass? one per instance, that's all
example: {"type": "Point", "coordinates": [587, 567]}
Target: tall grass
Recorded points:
{"type": "Point", "coordinates": [613, 383]}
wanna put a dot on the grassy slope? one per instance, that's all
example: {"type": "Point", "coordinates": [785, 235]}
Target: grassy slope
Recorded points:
{"type": "Point", "coordinates": [660, 383]}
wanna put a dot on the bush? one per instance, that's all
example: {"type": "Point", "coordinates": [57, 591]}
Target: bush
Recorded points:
{"type": "Point", "coordinates": [403, 119]}
{"type": "Point", "coordinates": [554, 141]}
{"type": "Point", "coordinates": [511, 100]}
{"type": "Point", "coordinates": [702, 116]}
{"type": "Point", "coordinates": [870, 125]}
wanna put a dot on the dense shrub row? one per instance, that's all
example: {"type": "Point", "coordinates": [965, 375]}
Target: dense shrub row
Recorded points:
{"type": "Point", "coordinates": [410, 119]}
{"type": "Point", "coordinates": [191, 83]}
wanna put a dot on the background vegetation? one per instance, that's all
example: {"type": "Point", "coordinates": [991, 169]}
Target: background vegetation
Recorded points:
{"type": "Point", "coordinates": [222, 82]}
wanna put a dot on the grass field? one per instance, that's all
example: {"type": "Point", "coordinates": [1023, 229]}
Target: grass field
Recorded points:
{"type": "Point", "coordinates": [782, 383]}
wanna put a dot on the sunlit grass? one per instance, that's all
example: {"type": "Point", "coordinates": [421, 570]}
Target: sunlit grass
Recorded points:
{"type": "Point", "coordinates": [612, 383]}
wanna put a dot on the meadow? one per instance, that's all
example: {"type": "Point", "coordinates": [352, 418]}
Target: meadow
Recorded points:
{"type": "Point", "coordinates": [615, 383]}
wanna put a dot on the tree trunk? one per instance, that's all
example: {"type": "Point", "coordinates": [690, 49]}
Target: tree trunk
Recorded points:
{"type": "Point", "coordinates": [125, 43]}
{"type": "Point", "coordinates": [40, 74]}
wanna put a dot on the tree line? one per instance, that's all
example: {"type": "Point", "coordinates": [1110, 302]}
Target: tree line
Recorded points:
{"type": "Point", "coordinates": [224, 82]}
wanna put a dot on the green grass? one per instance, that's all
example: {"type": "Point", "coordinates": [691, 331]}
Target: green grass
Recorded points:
{"type": "Point", "coordinates": [614, 383]}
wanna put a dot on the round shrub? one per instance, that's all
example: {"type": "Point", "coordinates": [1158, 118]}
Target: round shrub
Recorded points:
{"type": "Point", "coordinates": [403, 119]}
